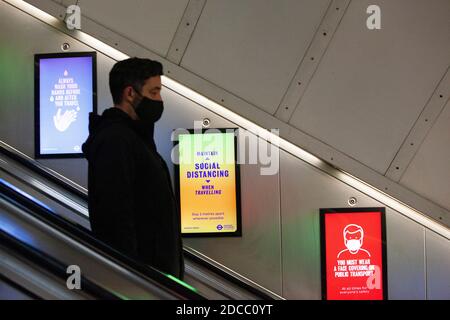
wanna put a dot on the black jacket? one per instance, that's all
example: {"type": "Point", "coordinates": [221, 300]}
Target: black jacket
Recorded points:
{"type": "Point", "coordinates": [131, 202]}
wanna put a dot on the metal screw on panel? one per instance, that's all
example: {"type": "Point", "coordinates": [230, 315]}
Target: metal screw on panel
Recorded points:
{"type": "Point", "coordinates": [206, 122]}
{"type": "Point", "coordinates": [65, 46]}
{"type": "Point", "coordinates": [352, 201]}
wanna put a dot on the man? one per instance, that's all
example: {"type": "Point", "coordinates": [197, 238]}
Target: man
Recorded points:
{"type": "Point", "coordinates": [131, 201]}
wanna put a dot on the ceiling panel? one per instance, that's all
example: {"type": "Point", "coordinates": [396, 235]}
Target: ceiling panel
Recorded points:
{"type": "Point", "coordinates": [66, 2]}
{"type": "Point", "coordinates": [428, 173]}
{"type": "Point", "coordinates": [152, 24]}
{"type": "Point", "coordinates": [371, 85]}
{"type": "Point", "coordinates": [252, 48]}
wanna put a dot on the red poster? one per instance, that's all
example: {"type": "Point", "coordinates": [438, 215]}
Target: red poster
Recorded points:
{"type": "Point", "coordinates": [353, 254]}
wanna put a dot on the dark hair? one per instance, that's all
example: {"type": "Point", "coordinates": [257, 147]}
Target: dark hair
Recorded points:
{"type": "Point", "coordinates": [131, 72]}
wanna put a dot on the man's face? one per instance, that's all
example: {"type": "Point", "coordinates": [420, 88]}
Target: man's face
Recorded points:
{"type": "Point", "coordinates": [152, 88]}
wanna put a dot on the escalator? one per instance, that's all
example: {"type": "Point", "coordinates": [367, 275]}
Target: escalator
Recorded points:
{"type": "Point", "coordinates": [37, 247]}
{"type": "Point", "coordinates": [44, 228]}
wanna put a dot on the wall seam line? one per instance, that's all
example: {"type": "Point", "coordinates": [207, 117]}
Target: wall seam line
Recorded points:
{"type": "Point", "coordinates": [281, 227]}
{"type": "Point", "coordinates": [425, 262]}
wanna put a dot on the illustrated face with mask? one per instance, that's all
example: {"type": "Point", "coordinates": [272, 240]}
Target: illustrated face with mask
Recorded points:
{"type": "Point", "coordinates": [353, 238]}
{"type": "Point", "coordinates": [148, 104]}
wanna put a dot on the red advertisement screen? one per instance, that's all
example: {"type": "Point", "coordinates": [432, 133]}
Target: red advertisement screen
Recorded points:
{"type": "Point", "coordinates": [354, 254]}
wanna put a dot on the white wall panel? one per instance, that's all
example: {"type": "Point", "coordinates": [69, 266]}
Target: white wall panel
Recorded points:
{"type": "Point", "coordinates": [253, 48]}
{"type": "Point", "coordinates": [152, 24]}
{"type": "Point", "coordinates": [405, 258]}
{"type": "Point", "coordinates": [372, 85]}
{"type": "Point", "coordinates": [438, 267]}
{"type": "Point", "coordinates": [304, 190]}
{"type": "Point", "coordinates": [429, 172]}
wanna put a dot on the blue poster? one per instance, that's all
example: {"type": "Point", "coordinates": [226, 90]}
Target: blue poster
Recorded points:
{"type": "Point", "coordinates": [66, 98]}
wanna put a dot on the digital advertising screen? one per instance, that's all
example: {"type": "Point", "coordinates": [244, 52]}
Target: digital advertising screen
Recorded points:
{"type": "Point", "coordinates": [207, 183]}
{"type": "Point", "coordinates": [353, 254]}
{"type": "Point", "coordinates": [65, 94]}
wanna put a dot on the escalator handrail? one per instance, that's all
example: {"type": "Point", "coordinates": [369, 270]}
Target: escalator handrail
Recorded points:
{"type": "Point", "coordinates": [227, 276]}
{"type": "Point", "coordinates": [40, 169]}
{"type": "Point", "coordinates": [52, 265]}
{"type": "Point", "coordinates": [86, 238]}
{"type": "Point", "coordinates": [19, 288]}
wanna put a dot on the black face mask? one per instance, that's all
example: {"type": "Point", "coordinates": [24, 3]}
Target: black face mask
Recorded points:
{"type": "Point", "coordinates": [149, 110]}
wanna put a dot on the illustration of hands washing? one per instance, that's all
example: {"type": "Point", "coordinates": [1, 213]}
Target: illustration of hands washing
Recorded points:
{"type": "Point", "coordinates": [63, 121]}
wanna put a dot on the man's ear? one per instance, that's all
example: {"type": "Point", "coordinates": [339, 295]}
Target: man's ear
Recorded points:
{"type": "Point", "coordinates": [128, 94]}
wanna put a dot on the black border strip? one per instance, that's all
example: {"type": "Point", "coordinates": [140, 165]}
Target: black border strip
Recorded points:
{"type": "Point", "coordinates": [323, 211]}
{"type": "Point", "coordinates": [37, 130]}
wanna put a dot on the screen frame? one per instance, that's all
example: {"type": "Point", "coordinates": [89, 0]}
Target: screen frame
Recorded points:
{"type": "Point", "coordinates": [37, 124]}
{"type": "Point", "coordinates": [238, 232]}
{"type": "Point", "coordinates": [323, 265]}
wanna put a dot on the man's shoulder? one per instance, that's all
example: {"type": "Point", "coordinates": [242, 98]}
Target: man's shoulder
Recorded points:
{"type": "Point", "coordinates": [115, 138]}
{"type": "Point", "coordinates": [116, 132]}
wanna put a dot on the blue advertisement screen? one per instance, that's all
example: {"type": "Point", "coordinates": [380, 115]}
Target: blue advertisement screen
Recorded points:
{"type": "Point", "coordinates": [66, 98]}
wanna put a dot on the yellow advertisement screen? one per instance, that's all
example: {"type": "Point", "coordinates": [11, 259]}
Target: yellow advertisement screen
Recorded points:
{"type": "Point", "coordinates": [208, 184]}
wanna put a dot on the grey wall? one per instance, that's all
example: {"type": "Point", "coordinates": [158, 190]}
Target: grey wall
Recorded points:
{"type": "Point", "coordinates": [280, 244]}
{"type": "Point", "coordinates": [370, 96]}
{"type": "Point", "coordinates": [21, 37]}
{"type": "Point", "coordinates": [368, 99]}
{"type": "Point", "coordinates": [304, 189]}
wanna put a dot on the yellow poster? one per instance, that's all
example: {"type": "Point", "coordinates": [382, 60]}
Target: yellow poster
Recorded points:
{"type": "Point", "coordinates": [207, 177]}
